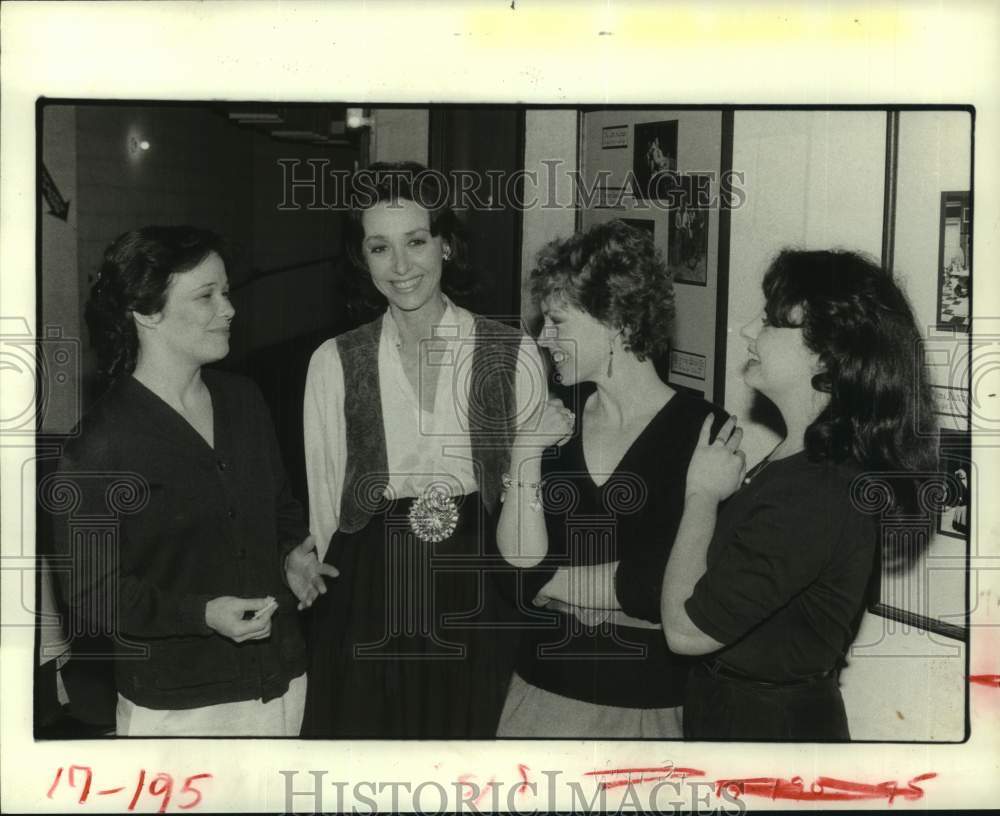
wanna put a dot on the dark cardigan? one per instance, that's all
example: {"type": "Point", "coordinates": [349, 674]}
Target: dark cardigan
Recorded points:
{"type": "Point", "coordinates": [157, 523]}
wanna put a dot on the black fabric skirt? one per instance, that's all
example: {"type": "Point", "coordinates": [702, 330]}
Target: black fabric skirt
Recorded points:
{"type": "Point", "coordinates": [412, 640]}
{"type": "Point", "coordinates": [720, 707]}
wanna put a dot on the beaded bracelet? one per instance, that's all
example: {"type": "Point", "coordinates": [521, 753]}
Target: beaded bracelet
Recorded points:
{"type": "Point", "coordinates": [507, 483]}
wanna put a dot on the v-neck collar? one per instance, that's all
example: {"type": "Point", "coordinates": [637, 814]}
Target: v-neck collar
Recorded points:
{"type": "Point", "coordinates": [628, 451]}
{"type": "Point", "coordinates": [165, 421]}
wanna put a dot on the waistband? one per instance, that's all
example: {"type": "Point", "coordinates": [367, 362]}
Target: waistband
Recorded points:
{"type": "Point", "coordinates": [717, 669]}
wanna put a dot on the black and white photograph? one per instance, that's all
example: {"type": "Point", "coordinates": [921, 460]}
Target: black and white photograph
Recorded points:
{"type": "Point", "coordinates": [361, 454]}
{"type": "Point", "coordinates": [687, 244]}
{"type": "Point", "coordinates": [955, 261]}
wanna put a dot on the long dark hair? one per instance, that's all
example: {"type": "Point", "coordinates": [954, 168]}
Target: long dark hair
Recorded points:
{"type": "Point", "coordinates": [389, 182]}
{"type": "Point", "coordinates": [859, 322]}
{"type": "Point", "coordinates": [134, 277]}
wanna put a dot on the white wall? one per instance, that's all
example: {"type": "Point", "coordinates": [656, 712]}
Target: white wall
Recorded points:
{"type": "Point", "coordinates": [814, 180]}
{"type": "Point", "coordinates": [549, 135]}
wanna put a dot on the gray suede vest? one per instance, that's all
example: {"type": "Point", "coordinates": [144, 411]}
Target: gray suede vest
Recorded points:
{"type": "Point", "coordinates": [491, 417]}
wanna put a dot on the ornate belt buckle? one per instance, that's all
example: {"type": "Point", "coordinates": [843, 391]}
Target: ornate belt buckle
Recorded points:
{"type": "Point", "coordinates": [434, 516]}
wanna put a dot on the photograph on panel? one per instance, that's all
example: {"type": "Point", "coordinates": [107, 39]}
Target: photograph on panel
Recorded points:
{"type": "Point", "coordinates": [503, 422]}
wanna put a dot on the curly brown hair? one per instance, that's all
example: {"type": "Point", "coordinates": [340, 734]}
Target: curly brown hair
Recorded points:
{"type": "Point", "coordinates": [615, 274]}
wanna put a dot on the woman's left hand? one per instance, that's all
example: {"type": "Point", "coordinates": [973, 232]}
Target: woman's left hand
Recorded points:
{"type": "Point", "coordinates": [717, 468]}
{"type": "Point", "coordinates": [304, 573]}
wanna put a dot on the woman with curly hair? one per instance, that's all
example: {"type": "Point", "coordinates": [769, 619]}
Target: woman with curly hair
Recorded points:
{"type": "Point", "coordinates": [775, 595]}
{"type": "Point", "coordinates": [191, 590]}
{"type": "Point", "coordinates": [589, 498]}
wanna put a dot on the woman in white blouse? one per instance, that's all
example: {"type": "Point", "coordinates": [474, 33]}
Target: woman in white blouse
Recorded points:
{"type": "Point", "coordinates": [408, 424]}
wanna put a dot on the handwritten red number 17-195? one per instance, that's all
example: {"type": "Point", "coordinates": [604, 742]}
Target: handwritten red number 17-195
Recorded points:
{"type": "Point", "coordinates": [161, 785]}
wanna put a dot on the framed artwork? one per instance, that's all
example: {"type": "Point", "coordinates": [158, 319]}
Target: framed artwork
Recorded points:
{"type": "Point", "coordinates": [654, 158]}
{"type": "Point", "coordinates": [956, 464]}
{"type": "Point", "coordinates": [688, 363]}
{"type": "Point", "coordinates": [614, 137]}
{"type": "Point", "coordinates": [952, 407]}
{"type": "Point", "coordinates": [954, 261]}
{"type": "Point", "coordinates": [687, 239]}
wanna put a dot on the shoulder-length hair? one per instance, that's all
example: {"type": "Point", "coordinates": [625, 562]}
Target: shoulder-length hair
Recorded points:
{"type": "Point", "coordinates": [855, 317]}
{"type": "Point", "coordinates": [134, 276]}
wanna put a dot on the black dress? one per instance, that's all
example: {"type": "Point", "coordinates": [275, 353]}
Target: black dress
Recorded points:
{"type": "Point", "coordinates": [631, 518]}
{"type": "Point", "coordinates": [412, 640]}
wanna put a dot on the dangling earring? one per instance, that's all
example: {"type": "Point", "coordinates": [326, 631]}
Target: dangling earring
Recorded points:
{"type": "Point", "coordinates": [446, 255]}
{"type": "Point", "coordinates": [611, 356]}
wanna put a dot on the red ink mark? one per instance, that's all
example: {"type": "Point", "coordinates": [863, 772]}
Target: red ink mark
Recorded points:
{"type": "Point", "coordinates": [661, 772]}
{"type": "Point", "coordinates": [164, 788]}
{"type": "Point", "coordinates": [824, 789]}
{"type": "Point", "coordinates": [86, 785]}
{"type": "Point", "coordinates": [524, 787]}
{"type": "Point", "coordinates": [659, 769]}
{"type": "Point", "coordinates": [138, 789]}
{"type": "Point", "coordinates": [989, 680]}
{"type": "Point", "coordinates": [466, 779]}
{"type": "Point", "coordinates": [189, 788]}
{"type": "Point", "coordinates": [55, 782]}
{"type": "Point", "coordinates": [110, 790]}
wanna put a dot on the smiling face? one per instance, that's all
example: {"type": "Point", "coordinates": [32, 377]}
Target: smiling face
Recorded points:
{"type": "Point", "coordinates": [193, 325]}
{"type": "Point", "coordinates": [779, 361]}
{"type": "Point", "coordinates": [577, 341]}
{"type": "Point", "coordinates": [403, 257]}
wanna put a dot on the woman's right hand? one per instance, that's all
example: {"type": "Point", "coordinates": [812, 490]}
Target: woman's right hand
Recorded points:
{"type": "Point", "coordinates": [717, 468]}
{"type": "Point", "coordinates": [226, 616]}
{"type": "Point", "coordinates": [551, 423]}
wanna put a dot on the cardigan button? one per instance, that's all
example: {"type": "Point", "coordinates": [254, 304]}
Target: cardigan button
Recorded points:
{"type": "Point", "coordinates": [222, 464]}
{"type": "Point", "coordinates": [232, 513]}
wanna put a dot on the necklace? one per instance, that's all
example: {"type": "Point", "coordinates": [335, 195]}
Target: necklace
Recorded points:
{"type": "Point", "coordinates": [756, 469]}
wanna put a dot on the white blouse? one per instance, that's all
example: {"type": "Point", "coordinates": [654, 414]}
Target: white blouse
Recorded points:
{"type": "Point", "coordinates": [422, 447]}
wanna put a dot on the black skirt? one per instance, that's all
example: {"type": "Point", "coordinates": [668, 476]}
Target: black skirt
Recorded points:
{"type": "Point", "coordinates": [412, 640]}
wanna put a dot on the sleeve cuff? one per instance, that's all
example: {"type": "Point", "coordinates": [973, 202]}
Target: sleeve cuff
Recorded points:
{"type": "Point", "coordinates": [192, 614]}
{"type": "Point", "coordinates": [705, 623]}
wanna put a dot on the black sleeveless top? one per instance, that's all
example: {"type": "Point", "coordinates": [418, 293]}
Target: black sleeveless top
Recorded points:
{"type": "Point", "coordinates": [632, 518]}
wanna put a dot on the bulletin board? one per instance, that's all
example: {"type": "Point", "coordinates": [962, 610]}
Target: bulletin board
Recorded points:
{"type": "Point", "coordinates": [667, 172]}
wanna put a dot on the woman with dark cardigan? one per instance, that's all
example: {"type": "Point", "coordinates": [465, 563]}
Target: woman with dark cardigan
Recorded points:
{"type": "Point", "coordinates": [775, 595]}
{"type": "Point", "coordinates": [583, 520]}
{"type": "Point", "coordinates": [191, 589]}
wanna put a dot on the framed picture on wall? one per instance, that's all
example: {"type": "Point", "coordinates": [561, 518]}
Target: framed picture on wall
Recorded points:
{"type": "Point", "coordinates": [951, 407]}
{"type": "Point", "coordinates": [687, 239]}
{"type": "Point", "coordinates": [654, 157]}
{"type": "Point", "coordinates": [955, 463]}
{"type": "Point", "coordinates": [954, 261]}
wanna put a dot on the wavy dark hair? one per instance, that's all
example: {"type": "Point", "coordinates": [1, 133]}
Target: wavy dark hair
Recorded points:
{"type": "Point", "coordinates": [390, 182]}
{"type": "Point", "coordinates": [859, 322]}
{"type": "Point", "coordinates": [137, 269]}
{"type": "Point", "coordinates": [614, 273]}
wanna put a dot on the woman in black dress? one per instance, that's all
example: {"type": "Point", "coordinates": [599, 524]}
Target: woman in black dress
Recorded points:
{"type": "Point", "coordinates": [778, 591]}
{"type": "Point", "coordinates": [583, 520]}
{"type": "Point", "coordinates": [408, 421]}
